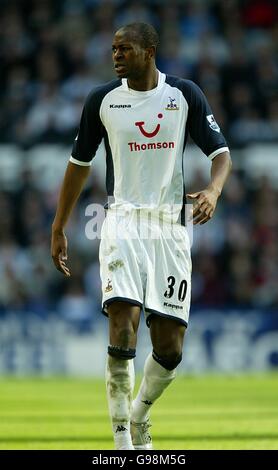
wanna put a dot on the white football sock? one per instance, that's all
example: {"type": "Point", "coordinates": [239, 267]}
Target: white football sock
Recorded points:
{"type": "Point", "coordinates": [156, 378]}
{"type": "Point", "coordinates": [120, 380]}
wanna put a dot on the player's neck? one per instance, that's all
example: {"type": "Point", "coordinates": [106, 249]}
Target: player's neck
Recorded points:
{"type": "Point", "coordinates": [145, 83]}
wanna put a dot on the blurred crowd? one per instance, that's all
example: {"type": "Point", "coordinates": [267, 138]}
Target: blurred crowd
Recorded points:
{"type": "Point", "coordinates": [52, 53]}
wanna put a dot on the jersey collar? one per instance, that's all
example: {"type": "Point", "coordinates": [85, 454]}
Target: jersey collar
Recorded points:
{"type": "Point", "coordinates": [161, 81]}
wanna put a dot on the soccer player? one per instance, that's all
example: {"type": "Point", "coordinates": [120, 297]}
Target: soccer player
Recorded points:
{"type": "Point", "coordinates": [144, 117]}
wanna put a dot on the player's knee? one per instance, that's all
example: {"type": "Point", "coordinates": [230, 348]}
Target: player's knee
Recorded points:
{"type": "Point", "coordinates": [121, 353]}
{"type": "Point", "coordinates": [123, 336]}
{"type": "Point", "coordinates": [169, 360]}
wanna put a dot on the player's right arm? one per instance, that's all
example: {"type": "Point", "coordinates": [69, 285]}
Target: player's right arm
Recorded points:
{"type": "Point", "coordinates": [84, 149]}
{"type": "Point", "coordinates": [74, 180]}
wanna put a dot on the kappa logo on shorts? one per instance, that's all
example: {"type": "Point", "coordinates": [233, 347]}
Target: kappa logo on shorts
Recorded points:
{"type": "Point", "coordinates": [109, 287]}
{"type": "Point", "coordinates": [178, 307]}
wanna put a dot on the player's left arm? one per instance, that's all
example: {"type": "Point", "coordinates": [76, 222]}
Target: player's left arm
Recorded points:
{"type": "Point", "coordinates": [205, 201]}
{"type": "Point", "coordinates": [206, 133]}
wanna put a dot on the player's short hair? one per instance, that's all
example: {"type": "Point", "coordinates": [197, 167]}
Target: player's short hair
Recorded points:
{"type": "Point", "coordinates": [143, 33]}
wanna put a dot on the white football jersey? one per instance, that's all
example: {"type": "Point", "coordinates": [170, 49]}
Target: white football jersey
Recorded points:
{"type": "Point", "coordinates": [145, 133]}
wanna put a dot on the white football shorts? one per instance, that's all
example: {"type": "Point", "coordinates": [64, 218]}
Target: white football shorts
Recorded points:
{"type": "Point", "coordinates": [146, 262]}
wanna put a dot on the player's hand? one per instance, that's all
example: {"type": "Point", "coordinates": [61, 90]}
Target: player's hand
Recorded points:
{"type": "Point", "coordinates": [204, 204]}
{"type": "Point", "coordinates": [59, 247]}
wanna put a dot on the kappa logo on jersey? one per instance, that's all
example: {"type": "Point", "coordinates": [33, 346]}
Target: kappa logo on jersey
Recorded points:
{"type": "Point", "coordinates": [212, 123]}
{"type": "Point", "coordinates": [140, 124]}
{"type": "Point", "coordinates": [120, 106]}
{"type": "Point", "coordinates": [172, 106]}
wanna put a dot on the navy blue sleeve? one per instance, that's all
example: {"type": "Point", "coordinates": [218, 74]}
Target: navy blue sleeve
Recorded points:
{"type": "Point", "coordinates": [202, 126]}
{"type": "Point", "coordinates": [91, 130]}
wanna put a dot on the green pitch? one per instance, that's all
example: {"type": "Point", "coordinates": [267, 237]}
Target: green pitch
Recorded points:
{"type": "Point", "coordinates": [211, 412]}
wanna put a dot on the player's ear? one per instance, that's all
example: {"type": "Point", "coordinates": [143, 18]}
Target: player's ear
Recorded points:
{"type": "Point", "coordinates": [150, 52]}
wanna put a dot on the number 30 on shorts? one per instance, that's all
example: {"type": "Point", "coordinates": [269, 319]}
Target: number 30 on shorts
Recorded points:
{"type": "Point", "coordinates": [170, 291]}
